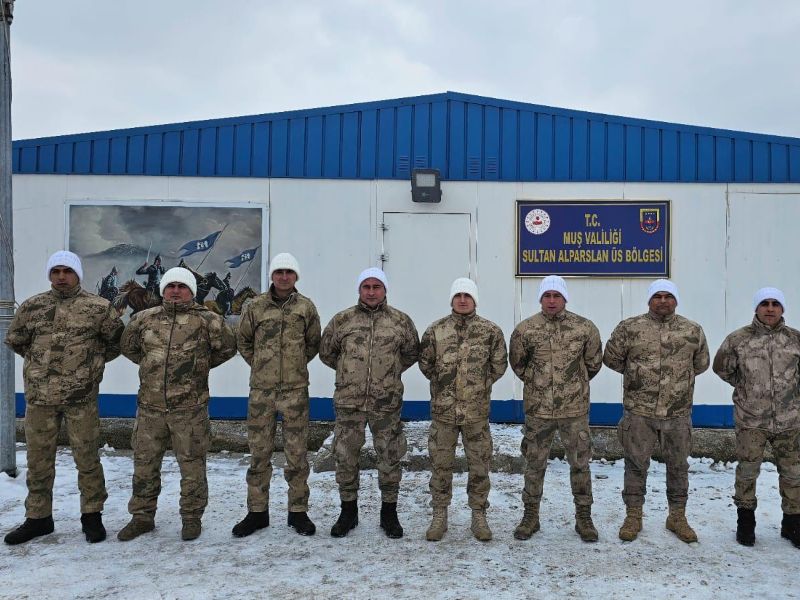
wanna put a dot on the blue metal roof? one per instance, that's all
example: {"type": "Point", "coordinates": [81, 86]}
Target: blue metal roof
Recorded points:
{"type": "Point", "coordinates": [466, 137]}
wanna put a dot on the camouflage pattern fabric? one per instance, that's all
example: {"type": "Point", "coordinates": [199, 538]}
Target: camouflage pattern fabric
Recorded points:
{"type": "Point", "coordinates": [388, 440]}
{"type": "Point", "coordinates": [262, 410]}
{"type": "Point", "coordinates": [65, 338]}
{"type": "Point", "coordinates": [750, 445]}
{"type": "Point", "coordinates": [763, 366]}
{"type": "Point", "coordinates": [42, 424]}
{"type": "Point", "coordinates": [535, 447]}
{"type": "Point", "coordinates": [639, 437]}
{"type": "Point", "coordinates": [477, 440]}
{"type": "Point", "coordinates": [189, 433]}
{"type": "Point", "coordinates": [175, 346]}
{"type": "Point", "coordinates": [369, 349]}
{"type": "Point", "coordinates": [462, 356]}
{"type": "Point", "coordinates": [659, 359]}
{"type": "Point", "coordinates": [278, 340]}
{"type": "Point", "coordinates": [555, 357]}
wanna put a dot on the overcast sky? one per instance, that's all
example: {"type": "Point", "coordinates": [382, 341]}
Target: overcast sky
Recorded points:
{"type": "Point", "coordinates": [88, 65]}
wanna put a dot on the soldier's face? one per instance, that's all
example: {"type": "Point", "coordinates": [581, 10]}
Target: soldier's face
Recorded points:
{"type": "Point", "coordinates": [177, 292]}
{"type": "Point", "coordinates": [553, 303]}
{"type": "Point", "coordinates": [662, 304]}
{"type": "Point", "coordinates": [769, 312]}
{"type": "Point", "coordinates": [63, 278]}
{"type": "Point", "coordinates": [371, 292]}
{"type": "Point", "coordinates": [463, 304]}
{"type": "Point", "coordinates": [284, 280]}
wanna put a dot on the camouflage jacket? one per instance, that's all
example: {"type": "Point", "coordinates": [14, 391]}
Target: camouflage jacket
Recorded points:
{"type": "Point", "coordinates": [556, 357]}
{"type": "Point", "coordinates": [175, 346]}
{"type": "Point", "coordinates": [462, 355]}
{"type": "Point", "coordinates": [66, 340]}
{"type": "Point", "coordinates": [763, 366]}
{"type": "Point", "coordinates": [659, 359]}
{"type": "Point", "coordinates": [279, 340]}
{"type": "Point", "coordinates": [370, 349]}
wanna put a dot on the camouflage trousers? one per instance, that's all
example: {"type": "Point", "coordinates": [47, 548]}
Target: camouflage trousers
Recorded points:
{"type": "Point", "coordinates": [262, 410]}
{"type": "Point", "coordinates": [750, 445]}
{"type": "Point", "coordinates": [189, 433]}
{"type": "Point", "coordinates": [388, 440]}
{"type": "Point", "coordinates": [477, 441]}
{"type": "Point", "coordinates": [535, 447]}
{"type": "Point", "coordinates": [639, 437]}
{"type": "Point", "coordinates": [42, 424]}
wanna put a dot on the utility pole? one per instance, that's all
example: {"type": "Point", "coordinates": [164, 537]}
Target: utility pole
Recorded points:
{"type": "Point", "coordinates": [8, 456]}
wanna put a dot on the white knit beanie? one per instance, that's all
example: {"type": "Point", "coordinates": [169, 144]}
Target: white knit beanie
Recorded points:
{"type": "Point", "coordinates": [179, 275]}
{"type": "Point", "coordinates": [284, 260]}
{"type": "Point", "coordinates": [766, 293]}
{"type": "Point", "coordinates": [372, 272]}
{"type": "Point", "coordinates": [65, 258]}
{"type": "Point", "coordinates": [663, 285]}
{"type": "Point", "coordinates": [553, 283]}
{"type": "Point", "coordinates": [464, 285]}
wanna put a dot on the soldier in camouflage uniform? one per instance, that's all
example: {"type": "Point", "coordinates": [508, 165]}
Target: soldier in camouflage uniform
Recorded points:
{"type": "Point", "coordinates": [555, 353]}
{"type": "Point", "coordinates": [279, 334]}
{"type": "Point", "coordinates": [762, 362]}
{"type": "Point", "coordinates": [462, 355]}
{"type": "Point", "coordinates": [659, 354]}
{"type": "Point", "coordinates": [175, 345]}
{"type": "Point", "coordinates": [66, 336]}
{"type": "Point", "coordinates": [369, 345]}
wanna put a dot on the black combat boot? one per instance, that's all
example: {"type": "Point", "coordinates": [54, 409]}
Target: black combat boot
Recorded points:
{"type": "Point", "coordinates": [790, 529]}
{"type": "Point", "coordinates": [301, 523]}
{"type": "Point", "coordinates": [251, 523]}
{"type": "Point", "coordinates": [389, 522]}
{"type": "Point", "coordinates": [31, 528]}
{"type": "Point", "coordinates": [348, 519]}
{"type": "Point", "coordinates": [92, 525]}
{"type": "Point", "coordinates": [746, 526]}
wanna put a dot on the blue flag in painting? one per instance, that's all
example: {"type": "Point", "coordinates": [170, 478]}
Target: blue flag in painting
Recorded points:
{"type": "Point", "coordinates": [201, 245]}
{"type": "Point", "coordinates": [243, 257]}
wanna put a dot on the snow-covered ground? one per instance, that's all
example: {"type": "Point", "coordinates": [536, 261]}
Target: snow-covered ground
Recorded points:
{"type": "Point", "coordinates": [278, 563]}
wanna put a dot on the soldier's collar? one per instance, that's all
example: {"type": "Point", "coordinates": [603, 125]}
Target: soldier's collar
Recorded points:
{"type": "Point", "coordinates": [764, 327]}
{"type": "Point", "coordinates": [70, 293]}
{"type": "Point", "coordinates": [559, 316]}
{"type": "Point", "coordinates": [659, 319]}
{"type": "Point", "coordinates": [366, 308]}
{"type": "Point", "coordinates": [172, 308]}
{"type": "Point", "coordinates": [274, 296]}
{"type": "Point", "coordinates": [467, 317]}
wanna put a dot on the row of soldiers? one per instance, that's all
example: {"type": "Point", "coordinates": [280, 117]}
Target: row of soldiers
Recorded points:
{"type": "Point", "coordinates": [66, 336]}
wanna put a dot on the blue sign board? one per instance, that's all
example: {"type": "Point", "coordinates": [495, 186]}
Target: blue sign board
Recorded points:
{"type": "Point", "coordinates": [611, 238]}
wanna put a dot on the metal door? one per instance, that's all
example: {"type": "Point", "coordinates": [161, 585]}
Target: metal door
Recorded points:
{"type": "Point", "coordinates": [422, 254]}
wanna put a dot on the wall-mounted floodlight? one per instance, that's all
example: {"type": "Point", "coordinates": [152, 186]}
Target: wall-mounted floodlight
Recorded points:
{"type": "Point", "coordinates": [425, 185]}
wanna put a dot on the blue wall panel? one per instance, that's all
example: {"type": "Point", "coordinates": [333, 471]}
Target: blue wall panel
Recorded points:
{"type": "Point", "coordinates": [465, 137]}
{"type": "Point", "coordinates": [652, 154]}
{"type": "Point", "coordinates": [297, 147]}
{"type": "Point", "coordinates": [402, 148]}
{"type": "Point", "coordinates": [420, 156]}
{"type": "Point", "coordinates": [386, 143]}
{"type": "Point", "coordinates": [544, 147]}
{"type": "Point", "coordinates": [438, 136]}
{"type": "Point", "coordinates": [349, 154]}
{"type": "Point", "coordinates": [152, 153]}
{"type": "Point", "coordinates": [491, 143]}
{"type": "Point", "coordinates": [633, 153]}
{"type": "Point", "coordinates": [562, 142]}
{"type": "Point", "coordinates": [333, 138]}
{"type": "Point", "coordinates": [615, 157]}
{"type": "Point", "coordinates": [190, 152]}
{"type": "Point", "coordinates": [171, 153]}
{"type": "Point", "coordinates": [278, 144]}
{"type": "Point", "coordinates": [474, 141]}
{"type": "Point", "coordinates": [207, 152]}
{"type": "Point", "coordinates": [242, 156]}
{"type": "Point", "coordinates": [368, 143]}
